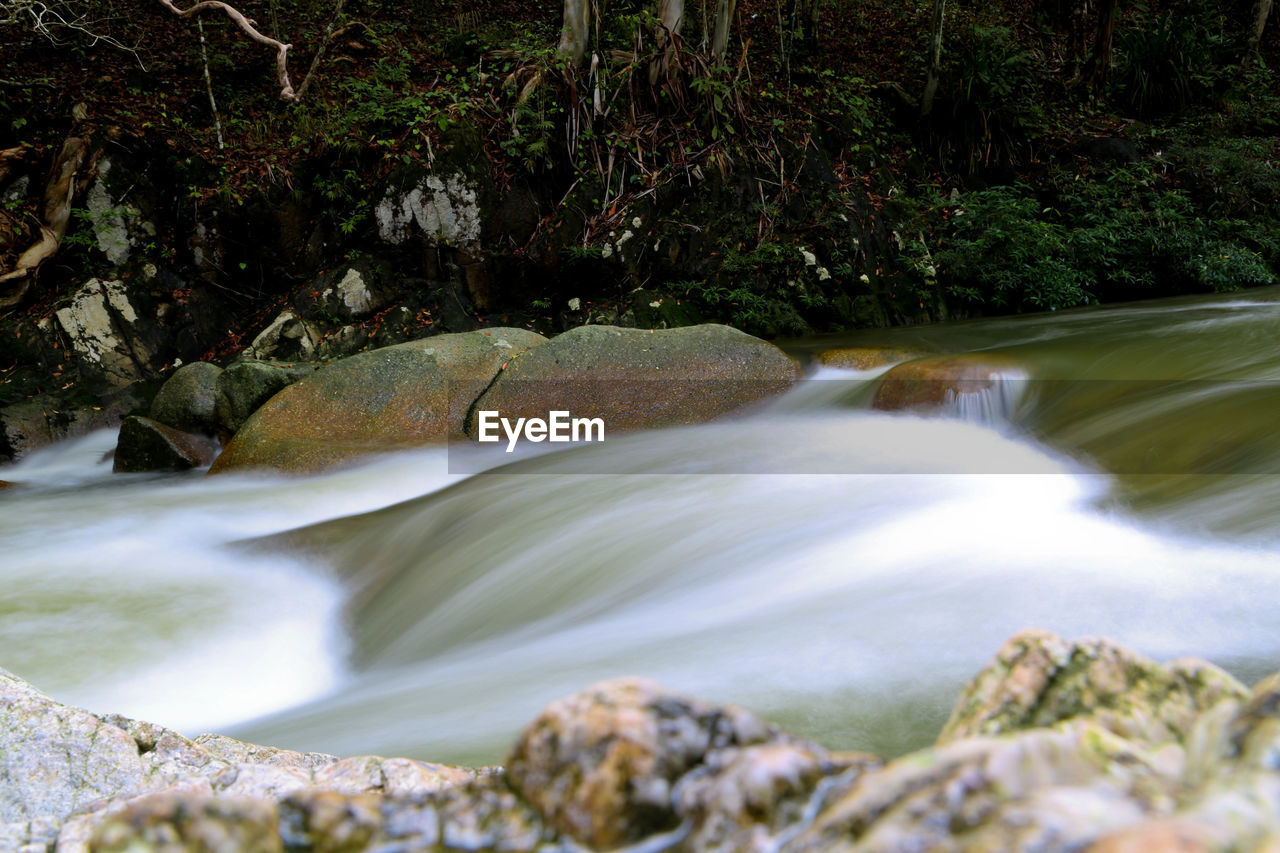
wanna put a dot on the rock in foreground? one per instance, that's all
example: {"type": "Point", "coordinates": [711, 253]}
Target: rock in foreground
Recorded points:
{"type": "Point", "coordinates": [1056, 746]}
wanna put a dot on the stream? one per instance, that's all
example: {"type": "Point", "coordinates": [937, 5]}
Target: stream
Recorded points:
{"type": "Point", "coordinates": [840, 570]}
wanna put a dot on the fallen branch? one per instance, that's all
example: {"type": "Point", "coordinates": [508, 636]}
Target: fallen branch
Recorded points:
{"type": "Point", "coordinates": [282, 50]}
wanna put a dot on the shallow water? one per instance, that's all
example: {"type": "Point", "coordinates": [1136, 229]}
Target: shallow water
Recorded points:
{"type": "Point", "coordinates": [841, 570]}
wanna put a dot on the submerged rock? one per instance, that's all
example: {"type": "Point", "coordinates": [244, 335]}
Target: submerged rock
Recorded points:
{"type": "Point", "coordinates": [395, 397]}
{"type": "Point", "coordinates": [865, 358]}
{"type": "Point", "coordinates": [934, 382]}
{"type": "Point", "coordinates": [147, 445]}
{"type": "Point", "coordinates": [635, 378]}
{"type": "Point", "coordinates": [187, 401]}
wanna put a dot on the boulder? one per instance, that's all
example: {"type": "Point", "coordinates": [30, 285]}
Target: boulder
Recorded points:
{"type": "Point", "coordinates": [246, 385]}
{"type": "Point", "coordinates": [634, 378]}
{"type": "Point", "coordinates": [1039, 679]}
{"type": "Point", "coordinates": [187, 400]}
{"type": "Point", "coordinates": [936, 382]}
{"type": "Point", "coordinates": [1042, 789]}
{"type": "Point", "coordinates": [395, 397]}
{"type": "Point", "coordinates": [148, 445]}
{"type": "Point", "coordinates": [626, 759]}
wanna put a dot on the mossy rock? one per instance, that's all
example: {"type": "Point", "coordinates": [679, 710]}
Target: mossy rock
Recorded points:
{"type": "Point", "coordinates": [638, 379]}
{"type": "Point", "coordinates": [396, 397]}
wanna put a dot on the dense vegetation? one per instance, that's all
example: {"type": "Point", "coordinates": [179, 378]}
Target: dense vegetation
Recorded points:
{"type": "Point", "coordinates": [794, 182]}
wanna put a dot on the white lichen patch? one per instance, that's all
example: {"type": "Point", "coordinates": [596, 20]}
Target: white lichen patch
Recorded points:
{"type": "Point", "coordinates": [824, 274]}
{"type": "Point", "coordinates": [94, 335]}
{"type": "Point", "coordinates": [354, 293]}
{"type": "Point", "coordinates": [810, 259]}
{"type": "Point", "coordinates": [575, 304]}
{"type": "Point", "coordinates": [446, 210]}
{"type": "Point", "coordinates": [106, 218]}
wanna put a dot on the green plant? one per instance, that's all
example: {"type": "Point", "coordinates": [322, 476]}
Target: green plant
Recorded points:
{"type": "Point", "coordinates": [1169, 64]}
{"type": "Point", "coordinates": [1076, 242]}
{"type": "Point", "coordinates": [992, 105]}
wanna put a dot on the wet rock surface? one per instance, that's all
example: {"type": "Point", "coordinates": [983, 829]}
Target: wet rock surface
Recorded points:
{"type": "Point", "coordinates": [188, 399]}
{"type": "Point", "coordinates": [1055, 746]}
{"type": "Point", "coordinates": [148, 445]}
{"type": "Point", "coordinates": [395, 397]}
{"type": "Point", "coordinates": [637, 378]}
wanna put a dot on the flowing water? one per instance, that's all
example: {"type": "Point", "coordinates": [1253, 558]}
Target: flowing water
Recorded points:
{"type": "Point", "coordinates": [841, 570]}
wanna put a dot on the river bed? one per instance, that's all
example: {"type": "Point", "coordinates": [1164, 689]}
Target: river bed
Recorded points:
{"type": "Point", "coordinates": [841, 570]}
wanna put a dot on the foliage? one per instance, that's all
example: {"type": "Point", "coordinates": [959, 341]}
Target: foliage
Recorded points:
{"type": "Point", "coordinates": [992, 104]}
{"type": "Point", "coordinates": [1083, 241]}
{"type": "Point", "coordinates": [1174, 61]}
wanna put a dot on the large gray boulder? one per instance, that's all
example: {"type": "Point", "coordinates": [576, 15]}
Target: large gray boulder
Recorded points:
{"type": "Point", "coordinates": [395, 397]}
{"type": "Point", "coordinates": [636, 378]}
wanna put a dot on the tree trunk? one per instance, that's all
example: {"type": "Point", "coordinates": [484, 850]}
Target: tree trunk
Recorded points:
{"type": "Point", "coordinates": [935, 58]}
{"type": "Point", "coordinates": [577, 26]}
{"type": "Point", "coordinates": [55, 215]}
{"type": "Point", "coordinates": [1100, 62]}
{"type": "Point", "coordinates": [724, 22]}
{"type": "Point", "coordinates": [670, 20]}
{"type": "Point", "coordinates": [1261, 11]}
{"type": "Point", "coordinates": [1079, 16]}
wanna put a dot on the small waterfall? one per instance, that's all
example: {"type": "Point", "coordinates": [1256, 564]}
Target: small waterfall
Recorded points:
{"type": "Point", "coordinates": [993, 403]}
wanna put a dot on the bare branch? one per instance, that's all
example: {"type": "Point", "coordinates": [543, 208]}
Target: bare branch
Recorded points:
{"type": "Point", "coordinates": [282, 50]}
{"type": "Point", "coordinates": [50, 19]}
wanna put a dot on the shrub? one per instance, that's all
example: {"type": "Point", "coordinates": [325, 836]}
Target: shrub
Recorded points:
{"type": "Point", "coordinates": [1085, 241]}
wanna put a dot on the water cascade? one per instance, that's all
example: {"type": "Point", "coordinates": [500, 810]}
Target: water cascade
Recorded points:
{"type": "Point", "coordinates": [839, 569]}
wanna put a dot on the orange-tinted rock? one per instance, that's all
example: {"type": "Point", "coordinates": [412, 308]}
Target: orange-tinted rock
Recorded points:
{"type": "Point", "coordinates": [395, 397]}
{"type": "Point", "coordinates": [934, 382]}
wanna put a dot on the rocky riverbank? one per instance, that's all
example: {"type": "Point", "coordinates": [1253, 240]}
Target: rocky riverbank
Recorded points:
{"type": "Point", "coordinates": [302, 418]}
{"type": "Point", "coordinates": [1055, 745]}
